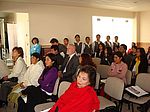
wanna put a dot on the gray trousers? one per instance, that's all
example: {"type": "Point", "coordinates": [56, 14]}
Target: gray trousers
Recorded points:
{"type": "Point", "coordinates": [5, 89]}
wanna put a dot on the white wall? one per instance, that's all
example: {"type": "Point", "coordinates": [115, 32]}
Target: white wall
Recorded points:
{"type": "Point", "coordinates": [145, 26]}
{"type": "Point", "coordinates": [60, 21]}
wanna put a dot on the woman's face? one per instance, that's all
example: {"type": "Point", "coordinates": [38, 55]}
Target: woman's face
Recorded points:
{"type": "Point", "coordinates": [100, 47]}
{"type": "Point", "coordinates": [48, 62]}
{"type": "Point", "coordinates": [117, 59]}
{"type": "Point", "coordinates": [138, 53]}
{"type": "Point", "coordinates": [15, 55]}
{"type": "Point", "coordinates": [82, 80]}
{"type": "Point", "coordinates": [34, 60]}
{"type": "Point", "coordinates": [34, 41]}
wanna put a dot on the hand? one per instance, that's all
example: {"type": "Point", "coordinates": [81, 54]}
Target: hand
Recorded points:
{"type": "Point", "coordinates": [21, 85]}
{"type": "Point", "coordinates": [59, 74]}
{"type": "Point", "coordinates": [5, 78]}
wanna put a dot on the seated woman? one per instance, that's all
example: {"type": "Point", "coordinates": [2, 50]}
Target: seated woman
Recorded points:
{"type": "Point", "coordinates": [140, 63]}
{"type": "Point", "coordinates": [80, 97]}
{"type": "Point", "coordinates": [40, 94]}
{"type": "Point", "coordinates": [33, 72]}
{"type": "Point", "coordinates": [17, 73]}
{"type": "Point", "coordinates": [107, 57]}
{"type": "Point", "coordinates": [118, 68]}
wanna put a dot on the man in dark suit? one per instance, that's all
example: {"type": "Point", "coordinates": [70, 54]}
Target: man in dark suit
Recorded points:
{"type": "Point", "coordinates": [70, 65]}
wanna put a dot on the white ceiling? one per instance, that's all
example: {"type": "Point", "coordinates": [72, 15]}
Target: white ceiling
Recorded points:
{"type": "Point", "coordinates": [129, 5]}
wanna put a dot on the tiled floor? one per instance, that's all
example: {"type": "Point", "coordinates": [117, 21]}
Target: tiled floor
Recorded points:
{"type": "Point", "coordinates": [11, 109]}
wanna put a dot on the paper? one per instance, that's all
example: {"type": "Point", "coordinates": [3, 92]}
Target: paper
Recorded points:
{"type": "Point", "coordinates": [46, 110]}
{"type": "Point", "coordinates": [136, 90]}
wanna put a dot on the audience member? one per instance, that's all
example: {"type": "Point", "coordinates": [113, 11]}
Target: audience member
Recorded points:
{"type": "Point", "coordinates": [59, 58]}
{"type": "Point", "coordinates": [126, 58]}
{"type": "Point", "coordinates": [148, 56]}
{"type": "Point", "coordinates": [140, 63]}
{"type": "Point", "coordinates": [15, 76]}
{"type": "Point", "coordinates": [95, 45]}
{"type": "Point", "coordinates": [100, 52]}
{"type": "Point", "coordinates": [88, 46]}
{"type": "Point", "coordinates": [78, 45]}
{"type": "Point", "coordinates": [70, 64]}
{"type": "Point", "coordinates": [80, 97]}
{"type": "Point", "coordinates": [35, 46]}
{"type": "Point", "coordinates": [62, 48]}
{"type": "Point", "coordinates": [107, 57]}
{"type": "Point", "coordinates": [40, 94]}
{"type": "Point", "coordinates": [33, 72]}
{"type": "Point", "coordinates": [118, 68]}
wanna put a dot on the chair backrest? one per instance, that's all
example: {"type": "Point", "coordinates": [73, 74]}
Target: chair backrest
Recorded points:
{"type": "Point", "coordinates": [96, 61]}
{"type": "Point", "coordinates": [143, 81]}
{"type": "Point", "coordinates": [97, 81]}
{"type": "Point", "coordinates": [56, 86]}
{"type": "Point", "coordinates": [63, 87]}
{"type": "Point", "coordinates": [114, 87]}
{"type": "Point", "coordinates": [128, 77]}
{"type": "Point", "coordinates": [103, 71]}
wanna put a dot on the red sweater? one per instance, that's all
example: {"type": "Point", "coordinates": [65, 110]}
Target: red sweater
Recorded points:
{"type": "Point", "coordinates": [77, 100]}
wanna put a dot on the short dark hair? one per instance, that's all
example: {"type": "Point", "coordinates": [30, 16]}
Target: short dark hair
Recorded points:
{"type": "Point", "coordinates": [55, 47]}
{"type": "Point", "coordinates": [35, 38]}
{"type": "Point", "coordinates": [66, 39]}
{"type": "Point", "coordinates": [91, 71]}
{"type": "Point", "coordinates": [124, 46]}
{"type": "Point", "coordinates": [77, 36]}
{"type": "Point", "coordinates": [37, 55]}
{"type": "Point", "coordinates": [53, 40]}
{"type": "Point", "coordinates": [119, 54]}
{"type": "Point", "coordinates": [19, 50]}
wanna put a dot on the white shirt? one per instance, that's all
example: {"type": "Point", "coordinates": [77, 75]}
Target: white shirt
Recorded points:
{"type": "Point", "coordinates": [68, 61]}
{"type": "Point", "coordinates": [19, 69]}
{"type": "Point", "coordinates": [32, 74]}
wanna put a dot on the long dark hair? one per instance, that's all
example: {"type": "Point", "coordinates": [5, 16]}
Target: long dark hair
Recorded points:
{"type": "Point", "coordinates": [53, 58]}
{"type": "Point", "coordinates": [87, 60]}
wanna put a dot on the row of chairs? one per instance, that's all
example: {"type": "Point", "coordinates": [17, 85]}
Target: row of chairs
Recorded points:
{"type": "Point", "coordinates": [115, 88]}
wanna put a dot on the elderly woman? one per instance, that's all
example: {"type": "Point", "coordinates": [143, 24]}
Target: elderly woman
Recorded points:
{"type": "Point", "coordinates": [80, 96]}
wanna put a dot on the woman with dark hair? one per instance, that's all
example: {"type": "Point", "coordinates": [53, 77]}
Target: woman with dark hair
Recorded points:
{"type": "Point", "coordinates": [140, 63]}
{"type": "Point", "coordinates": [148, 59]}
{"type": "Point", "coordinates": [107, 58]}
{"type": "Point", "coordinates": [118, 68]}
{"type": "Point", "coordinates": [80, 96]}
{"type": "Point", "coordinates": [86, 59]}
{"type": "Point", "coordinates": [16, 76]}
{"type": "Point", "coordinates": [40, 94]}
{"type": "Point", "coordinates": [101, 48]}
{"type": "Point", "coordinates": [35, 46]}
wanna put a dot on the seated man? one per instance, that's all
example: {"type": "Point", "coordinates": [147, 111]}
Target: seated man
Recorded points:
{"type": "Point", "coordinates": [70, 65]}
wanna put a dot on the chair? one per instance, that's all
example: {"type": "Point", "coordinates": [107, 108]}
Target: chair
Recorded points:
{"type": "Point", "coordinates": [128, 77]}
{"type": "Point", "coordinates": [114, 87]}
{"type": "Point", "coordinates": [103, 71]}
{"type": "Point", "coordinates": [97, 81]}
{"type": "Point", "coordinates": [62, 88]}
{"type": "Point", "coordinates": [143, 81]}
{"type": "Point", "coordinates": [96, 61]}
